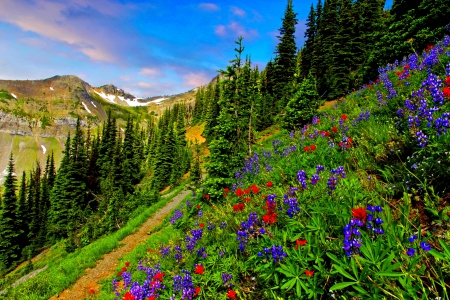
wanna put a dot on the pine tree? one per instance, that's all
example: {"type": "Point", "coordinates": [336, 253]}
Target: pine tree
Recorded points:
{"type": "Point", "coordinates": [302, 106]}
{"type": "Point", "coordinates": [22, 214]}
{"type": "Point", "coordinates": [9, 245]}
{"type": "Point", "coordinates": [310, 38]}
{"type": "Point", "coordinates": [285, 60]}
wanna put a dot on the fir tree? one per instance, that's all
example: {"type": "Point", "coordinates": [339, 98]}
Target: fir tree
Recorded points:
{"type": "Point", "coordinates": [9, 246]}
{"type": "Point", "coordinates": [303, 105]}
{"type": "Point", "coordinates": [285, 60]}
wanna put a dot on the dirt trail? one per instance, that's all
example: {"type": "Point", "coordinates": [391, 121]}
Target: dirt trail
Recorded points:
{"type": "Point", "coordinates": [87, 285]}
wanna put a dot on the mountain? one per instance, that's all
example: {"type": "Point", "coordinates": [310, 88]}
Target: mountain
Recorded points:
{"type": "Point", "coordinates": [36, 115]}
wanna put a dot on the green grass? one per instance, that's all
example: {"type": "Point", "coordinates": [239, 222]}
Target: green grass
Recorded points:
{"type": "Point", "coordinates": [62, 273]}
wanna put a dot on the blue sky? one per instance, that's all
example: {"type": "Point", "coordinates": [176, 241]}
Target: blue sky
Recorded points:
{"type": "Point", "coordinates": [147, 48]}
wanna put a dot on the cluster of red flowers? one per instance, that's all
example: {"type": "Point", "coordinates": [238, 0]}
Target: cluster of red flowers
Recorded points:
{"type": "Point", "coordinates": [206, 196]}
{"type": "Point", "coordinates": [369, 86]}
{"type": "Point", "coordinates": [239, 207]}
{"type": "Point", "coordinates": [239, 192]}
{"type": "Point", "coordinates": [231, 294]}
{"type": "Point", "coordinates": [270, 217]}
{"type": "Point", "coordinates": [428, 48]}
{"type": "Point", "coordinates": [310, 148]}
{"type": "Point", "coordinates": [359, 214]}
{"type": "Point", "coordinates": [344, 117]}
{"type": "Point", "coordinates": [446, 90]}
{"type": "Point", "coordinates": [334, 129]}
{"type": "Point", "coordinates": [309, 273]}
{"type": "Point", "coordinates": [199, 269]}
{"type": "Point", "coordinates": [300, 243]}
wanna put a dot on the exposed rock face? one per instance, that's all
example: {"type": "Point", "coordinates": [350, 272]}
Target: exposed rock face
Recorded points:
{"type": "Point", "coordinates": [113, 90]}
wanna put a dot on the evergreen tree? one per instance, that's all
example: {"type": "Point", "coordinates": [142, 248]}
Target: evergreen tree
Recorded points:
{"type": "Point", "coordinates": [303, 105]}
{"type": "Point", "coordinates": [22, 214]}
{"type": "Point", "coordinates": [9, 245]}
{"type": "Point", "coordinates": [308, 48]}
{"type": "Point", "coordinates": [285, 60]}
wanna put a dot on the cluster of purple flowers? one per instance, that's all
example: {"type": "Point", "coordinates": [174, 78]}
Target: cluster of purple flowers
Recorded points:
{"type": "Point", "coordinates": [226, 280]}
{"type": "Point", "coordinates": [164, 251]}
{"type": "Point", "coordinates": [352, 237]}
{"type": "Point", "coordinates": [184, 285]}
{"type": "Point", "coordinates": [411, 250]}
{"type": "Point", "coordinates": [177, 214]}
{"type": "Point", "coordinates": [387, 82]}
{"type": "Point", "coordinates": [333, 180]}
{"type": "Point", "coordinates": [249, 228]}
{"type": "Point", "coordinates": [293, 205]}
{"type": "Point", "coordinates": [274, 253]}
{"type": "Point", "coordinates": [380, 99]}
{"type": "Point", "coordinates": [301, 176]}
{"type": "Point", "coordinates": [201, 252]}
{"type": "Point", "coordinates": [178, 253]}
{"type": "Point", "coordinates": [373, 221]}
{"type": "Point", "coordinates": [191, 242]}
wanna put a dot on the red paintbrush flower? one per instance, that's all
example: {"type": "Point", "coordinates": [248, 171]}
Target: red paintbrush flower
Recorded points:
{"type": "Point", "coordinates": [247, 200]}
{"type": "Point", "coordinates": [255, 189]}
{"type": "Point", "coordinates": [207, 196]}
{"type": "Point", "coordinates": [129, 296]}
{"type": "Point", "coordinates": [446, 92]}
{"type": "Point", "coordinates": [127, 264]}
{"type": "Point", "coordinates": [201, 225]}
{"type": "Point", "coordinates": [300, 243]}
{"type": "Point", "coordinates": [124, 269]}
{"type": "Point", "coordinates": [231, 294]}
{"type": "Point", "coordinates": [270, 184]}
{"type": "Point", "coordinates": [239, 192]}
{"type": "Point", "coordinates": [197, 291]}
{"type": "Point", "coordinates": [447, 80]}
{"type": "Point", "coordinates": [313, 147]}
{"type": "Point", "coordinates": [344, 117]}
{"type": "Point", "coordinates": [334, 129]}
{"type": "Point", "coordinates": [198, 206]}
{"type": "Point", "coordinates": [309, 273]}
{"type": "Point", "coordinates": [359, 213]}
{"type": "Point", "coordinates": [226, 190]}
{"type": "Point", "coordinates": [306, 148]}
{"type": "Point", "coordinates": [159, 276]}
{"type": "Point", "coordinates": [199, 269]}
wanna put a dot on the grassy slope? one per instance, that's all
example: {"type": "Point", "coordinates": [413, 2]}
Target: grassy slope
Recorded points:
{"type": "Point", "coordinates": [372, 168]}
{"type": "Point", "coordinates": [64, 269]}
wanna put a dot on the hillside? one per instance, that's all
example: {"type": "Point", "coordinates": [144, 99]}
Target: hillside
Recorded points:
{"type": "Point", "coordinates": [36, 115]}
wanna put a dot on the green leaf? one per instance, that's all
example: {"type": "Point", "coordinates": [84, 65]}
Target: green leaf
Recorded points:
{"type": "Point", "coordinates": [437, 254]}
{"type": "Point", "coordinates": [342, 285]}
{"type": "Point", "coordinates": [289, 285]}
{"type": "Point", "coordinates": [344, 273]}
{"type": "Point", "coordinates": [390, 274]}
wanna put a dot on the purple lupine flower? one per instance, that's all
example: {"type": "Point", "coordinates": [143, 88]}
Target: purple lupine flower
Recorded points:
{"type": "Point", "coordinates": [425, 246]}
{"type": "Point", "coordinates": [411, 251]}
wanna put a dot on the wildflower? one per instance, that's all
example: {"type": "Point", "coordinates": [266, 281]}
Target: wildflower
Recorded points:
{"type": "Point", "coordinates": [231, 294]}
{"type": "Point", "coordinates": [334, 129]}
{"type": "Point", "coordinates": [199, 269]}
{"type": "Point", "coordinates": [254, 189]}
{"type": "Point", "coordinates": [119, 274]}
{"type": "Point", "coordinates": [226, 190]}
{"type": "Point", "coordinates": [344, 117]}
{"type": "Point", "coordinates": [446, 92]}
{"type": "Point", "coordinates": [247, 200]}
{"type": "Point", "coordinates": [207, 196]}
{"type": "Point", "coordinates": [275, 252]}
{"type": "Point", "coordinates": [300, 243]}
{"type": "Point", "coordinates": [197, 291]}
{"type": "Point", "coordinates": [129, 296]}
{"type": "Point", "coordinates": [309, 273]}
{"type": "Point", "coordinates": [202, 225]}
{"type": "Point", "coordinates": [425, 246]}
{"type": "Point", "coordinates": [159, 276]}
{"type": "Point", "coordinates": [306, 148]}
{"type": "Point", "coordinates": [411, 251]}
{"type": "Point", "coordinates": [91, 291]}
{"type": "Point", "coordinates": [198, 206]}
{"type": "Point", "coordinates": [127, 264]}
{"type": "Point", "coordinates": [270, 184]}
{"type": "Point", "coordinates": [239, 192]}
{"type": "Point", "coordinates": [226, 278]}
{"type": "Point", "coordinates": [313, 147]}
{"type": "Point", "coordinates": [124, 269]}
{"type": "Point", "coordinates": [359, 213]}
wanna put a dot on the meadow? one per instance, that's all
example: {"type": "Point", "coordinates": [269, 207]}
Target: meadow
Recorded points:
{"type": "Point", "coordinates": [354, 205]}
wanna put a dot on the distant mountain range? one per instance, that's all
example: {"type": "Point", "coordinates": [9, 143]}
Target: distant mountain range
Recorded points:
{"type": "Point", "coordinates": [36, 115]}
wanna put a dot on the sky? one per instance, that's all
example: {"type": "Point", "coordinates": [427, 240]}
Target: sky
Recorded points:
{"type": "Point", "coordinates": [147, 48]}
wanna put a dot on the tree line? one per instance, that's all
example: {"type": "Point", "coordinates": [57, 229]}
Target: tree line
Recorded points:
{"type": "Point", "coordinates": [95, 190]}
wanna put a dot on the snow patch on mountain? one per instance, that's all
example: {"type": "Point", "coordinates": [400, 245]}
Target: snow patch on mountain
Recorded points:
{"type": "Point", "coordinates": [51, 89]}
{"type": "Point", "coordinates": [43, 149]}
{"type": "Point", "coordinates": [12, 94]}
{"type": "Point", "coordinates": [86, 108]}
{"type": "Point", "coordinates": [94, 104]}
